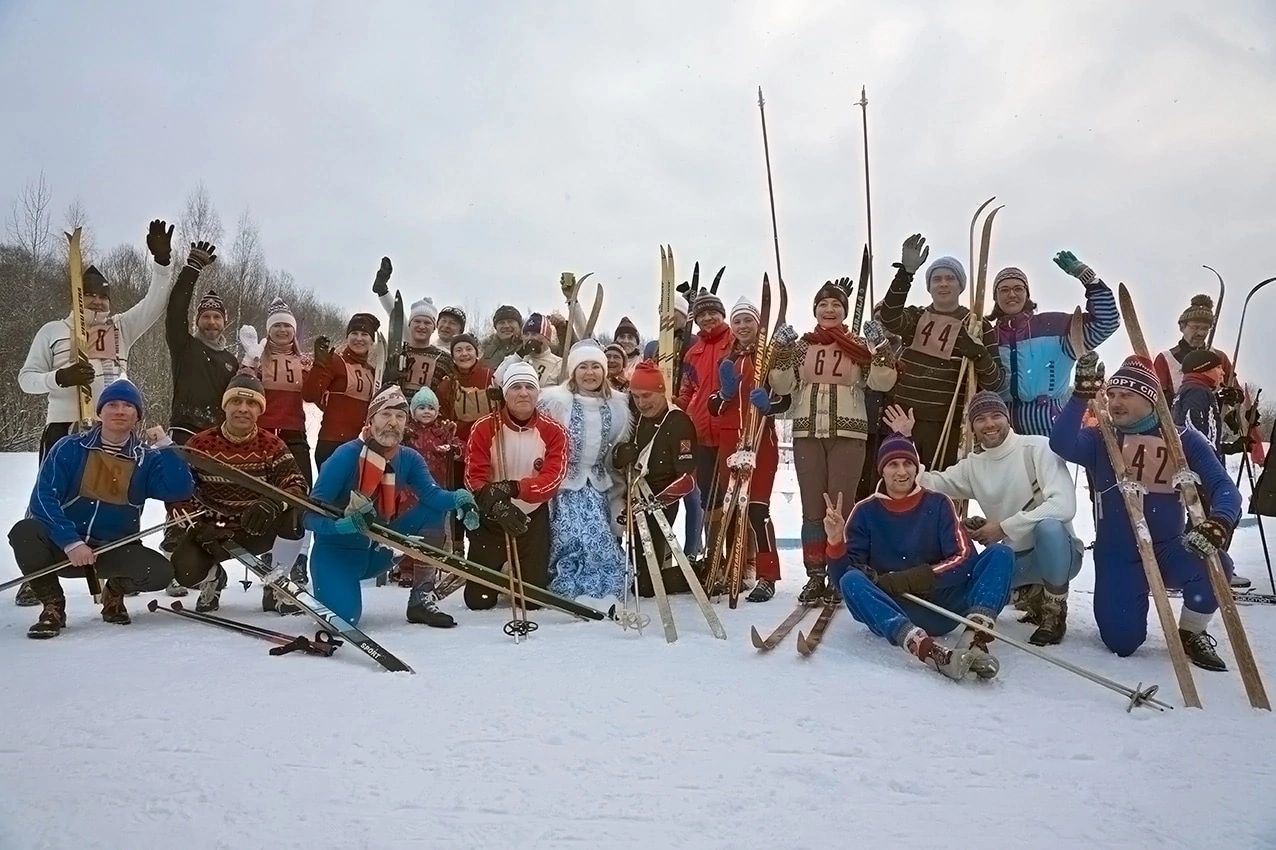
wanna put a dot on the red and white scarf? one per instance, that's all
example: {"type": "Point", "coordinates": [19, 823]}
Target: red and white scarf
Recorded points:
{"type": "Point", "coordinates": [376, 476]}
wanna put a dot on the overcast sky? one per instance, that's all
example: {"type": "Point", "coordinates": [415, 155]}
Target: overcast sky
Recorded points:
{"type": "Point", "coordinates": [488, 146]}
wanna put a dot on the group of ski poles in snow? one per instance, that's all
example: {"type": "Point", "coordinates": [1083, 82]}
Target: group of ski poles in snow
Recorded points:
{"type": "Point", "coordinates": [566, 463]}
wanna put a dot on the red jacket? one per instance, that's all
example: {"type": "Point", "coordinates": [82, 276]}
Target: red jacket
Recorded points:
{"type": "Point", "coordinates": [729, 413]}
{"type": "Point", "coordinates": [342, 388]}
{"type": "Point", "coordinates": [700, 381]}
{"type": "Point", "coordinates": [283, 375]}
{"type": "Point", "coordinates": [441, 447]}
{"type": "Point", "coordinates": [535, 455]}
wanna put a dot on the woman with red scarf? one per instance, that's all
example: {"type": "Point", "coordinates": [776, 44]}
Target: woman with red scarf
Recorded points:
{"type": "Point", "coordinates": [825, 371]}
{"type": "Point", "coordinates": [341, 384]}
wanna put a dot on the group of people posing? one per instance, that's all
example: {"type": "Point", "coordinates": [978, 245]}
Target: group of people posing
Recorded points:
{"type": "Point", "coordinates": [523, 447]}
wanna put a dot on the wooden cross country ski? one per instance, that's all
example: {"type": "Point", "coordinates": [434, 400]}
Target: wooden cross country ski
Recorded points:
{"type": "Point", "coordinates": [666, 353]}
{"type": "Point", "coordinates": [807, 644]}
{"type": "Point", "coordinates": [1191, 497]}
{"type": "Point", "coordinates": [781, 631]}
{"type": "Point", "coordinates": [649, 506]}
{"type": "Point", "coordinates": [80, 353]}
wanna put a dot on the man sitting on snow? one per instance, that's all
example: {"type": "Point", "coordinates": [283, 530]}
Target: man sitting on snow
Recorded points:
{"type": "Point", "coordinates": [1120, 585]}
{"type": "Point", "coordinates": [1028, 499]}
{"type": "Point", "coordinates": [908, 540]}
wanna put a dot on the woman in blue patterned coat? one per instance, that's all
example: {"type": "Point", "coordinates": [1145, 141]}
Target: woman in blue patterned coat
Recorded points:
{"type": "Point", "coordinates": [585, 558]}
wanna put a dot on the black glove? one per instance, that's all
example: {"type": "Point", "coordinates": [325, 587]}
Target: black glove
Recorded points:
{"type": "Point", "coordinates": [495, 492]}
{"type": "Point", "coordinates": [914, 254]}
{"type": "Point", "coordinates": [1208, 538]}
{"type": "Point", "coordinates": [381, 284]}
{"type": "Point", "coordinates": [202, 255]}
{"type": "Point", "coordinates": [1230, 396]}
{"type": "Point", "coordinates": [207, 535]}
{"type": "Point", "coordinates": [159, 242]}
{"type": "Point", "coordinates": [967, 346]}
{"type": "Point", "coordinates": [1089, 377]}
{"type": "Point", "coordinates": [974, 523]}
{"type": "Point", "coordinates": [624, 455]}
{"type": "Point", "coordinates": [259, 517]}
{"type": "Point", "coordinates": [322, 351]}
{"type": "Point", "coordinates": [494, 395]}
{"type": "Point", "coordinates": [916, 580]}
{"type": "Point", "coordinates": [78, 374]}
{"type": "Point", "coordinates": [511, 520]}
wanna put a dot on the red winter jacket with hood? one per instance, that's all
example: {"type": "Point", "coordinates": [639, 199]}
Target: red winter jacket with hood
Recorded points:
{"type": "Point", "coordinates": [700, 381]}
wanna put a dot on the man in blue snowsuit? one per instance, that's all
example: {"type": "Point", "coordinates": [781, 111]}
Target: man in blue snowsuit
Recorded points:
{"type": "Point", "coordinates": [373, 478]}
{"type": "Point", "coordinates": [905, 539]}
{"type": "Point", "coordinates": [1120, 586]}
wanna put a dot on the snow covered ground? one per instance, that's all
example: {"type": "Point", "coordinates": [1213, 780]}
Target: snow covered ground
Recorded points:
{"type": "Point", "coordinates": [168, 733]}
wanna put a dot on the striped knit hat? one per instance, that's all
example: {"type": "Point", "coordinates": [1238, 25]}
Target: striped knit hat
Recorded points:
{"type": "Point", "coordinates": [537, 325]}
{"type": "Point", "coordinates": [1010, 273]}
{"type": "Point", "coordinates": [1138, 376]}
{"type": "Point", "coordinates": [246, 386]}
{"type": "Point", "coordinates": [211, 302]}
{"type": "Point", "coordinates": [280, 314]}
{"type": "Point", "coordinates": [390, 398]}
{"type": "Point", "coordinates": [744, 305]}
{"type": "Point", "coordinates": [707, 302]}
{"type": "Point", "coordinates": [896, 446]}
{"type": "Point", "coordinates": [986, 401]}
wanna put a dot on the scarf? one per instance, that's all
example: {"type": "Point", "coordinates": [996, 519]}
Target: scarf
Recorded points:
{"type": "Point", "coordinates": [1200, 380]}
{"type": "Point", "coordinates": [374, 477]}
{"type": "Point", "coordinates": [1144, 425]}
{"type": "Point", "coordinates": [839, 336]}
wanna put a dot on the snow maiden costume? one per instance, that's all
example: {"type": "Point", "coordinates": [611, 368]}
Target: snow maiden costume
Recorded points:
{"type": "Point", "coordinates": [585, 557]}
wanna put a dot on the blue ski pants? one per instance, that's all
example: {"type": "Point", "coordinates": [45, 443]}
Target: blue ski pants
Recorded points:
{"type": "Point", "coordinates": [1053, 560]}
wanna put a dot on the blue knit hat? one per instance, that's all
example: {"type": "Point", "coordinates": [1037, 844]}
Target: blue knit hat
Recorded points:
{"type": "Point", "coordinates": [897, 446]}
{"type": "Point", "coordinates": [952, 264]}
{"type": "Point", "coordinates": [122, 390]}
{"type": "Point", "coordinates": [425, 397]}
{"type": "Point", "coordinates": [986, 401]}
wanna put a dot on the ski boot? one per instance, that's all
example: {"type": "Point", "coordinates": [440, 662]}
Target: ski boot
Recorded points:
{"type": "Point", "coordinates": [423, 609]}
{"type": "Point", "coordinates": [175, 589]}
{"type": "Point", "coordinates": [210, 592]}
{"type": "Point", "coordinates": [1028, 600]}
{"type": "Point", "coordinates": [26, 597]}
{"type": "Point", "coordinates": [953, 663]}
{"type": "Point", "coordinates": [1052, 624]}
{"type": "Point", "coordinates": [52, 620]}
{"type": "Point", "coordinates": [982, 662]}
{"type": "Point", "coordinates": [1200, 650]}
{"type": "Point", "coordinates": [300, 572]}
{"type": "Point", "coordinates": [832, 595]}
{"type": "Point", "coordinates": [815, 588]}
{"type": "Point", "coordinates": [405, 570]}
{"type": "Point", "coordinates": [172, 536]}
{"type": "Point", "coordinates": [763, 591]}
{"type": "Point", "coordinates": [113, 610]}
{"type": "Point", "coordinates": [1239, 582]}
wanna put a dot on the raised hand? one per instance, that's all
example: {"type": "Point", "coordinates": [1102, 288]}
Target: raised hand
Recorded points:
{"type": "Point", "coordinates": [322, 351]}
{"type": "Point", "coordinates": [381, 284]}
{"type": "Point", "coordinates": [159, 241]}
{"type": "Point", "coordinates": [1068, 261]}
{"type": "Point", "coordinates": [899, 420]}
{"type": "Point", "coordinates": [1089, 376]}
{"type": "Point", "coordinates": [914, 254]}
{"type": "Point", "coordinates": [202, 255]}
{"type": "Point", "coordinates": [834, 522]}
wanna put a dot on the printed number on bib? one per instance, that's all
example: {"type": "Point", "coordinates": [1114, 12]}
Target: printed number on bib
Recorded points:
{"type": "Point", "coordinates": [1148, 462]}
{"type": "Point", "coordinates": [827, 364]}
{"type": "Point", "coordinates": [103, 344]}
{"type": "Point", "coordinates": [936, 335]}
{"type": "Point", "coordinates": [420, 370]}
{"type": "Point", "coordinates": [358, 382]}
{"type": "Point", "coordinates": [282, 372]}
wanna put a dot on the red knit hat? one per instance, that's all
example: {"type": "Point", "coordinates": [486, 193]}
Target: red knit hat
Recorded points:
{"type": "Point", "coordinates": [647, 378]}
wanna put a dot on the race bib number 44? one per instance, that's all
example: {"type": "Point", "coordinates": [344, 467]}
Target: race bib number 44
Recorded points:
{"type": "Point", "coordinates": [936, 335]}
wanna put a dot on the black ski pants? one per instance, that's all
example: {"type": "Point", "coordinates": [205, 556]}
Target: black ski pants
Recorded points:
{"type": "Point", "coordinates": [132, 567]}
{"type": "Point", "coordinates": [670, 573]}
{"type": "Point", "coordinates": [487, 547]}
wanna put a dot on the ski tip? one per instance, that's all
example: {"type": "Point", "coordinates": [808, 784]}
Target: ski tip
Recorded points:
{"type": "Point", "coordinates": [758, 643]}
{"type": "Point", "coordinates": [804, 649]}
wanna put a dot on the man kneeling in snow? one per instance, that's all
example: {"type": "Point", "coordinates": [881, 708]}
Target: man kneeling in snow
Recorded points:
{"type": "Point", "coordinates": [374, 478]}
{"type": "Point", "coordinates": [908, 540]}
{"type": "Point", "coordinates": [1029, 500]}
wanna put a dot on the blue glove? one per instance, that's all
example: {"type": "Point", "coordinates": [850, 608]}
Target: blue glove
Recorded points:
{"type": "Point", "coordinates": [355, 523]}
{"type": "Point", "coordinates": [761, 399]}
{"type": "Point", "coordinates": [728, 379]}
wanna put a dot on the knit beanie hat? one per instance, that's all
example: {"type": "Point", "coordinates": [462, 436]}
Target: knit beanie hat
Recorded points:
{"type": "Point", "coordinates": [95, 283]}
{"type": "Point", "coordinates": [707, 302]}
{"type": "Point", "coordinates": [519, 372]}
{"type": "Point", "coordinates": [390, 398]}
{"type": "Point", "coordinates": [1200, 310]}
{"type": "Point", "coordinates": [832, 290]}
{"type": "Point", "coordinates": [425, 397]}
{"type": "Point", "coordinates": [506, 311]}
{"type": "Point", "coordinates": [466, 338]}
{"type": "Point", "coordinates": [1137, 375]}
{"type": "Point", "coordinates": [1201, 360]}
{"type": "Point", "coordinates": [365, 322]}
{"type": "Point", "coordinates": [456, 313]}
{"type": "Point", "coordinates": [953, 265]}
{"type": "Point", "coordinates": [647, 378]}
{"type": "Point", "coordinates": [626, 327]}
{"type": "Point", "coordinates": [585, 351]}
{"type": "Point", "coordinates": [211, 301]}
{"type": "Point", "coordinates": [1010, 273]}
{"type": "Point", "coordinates": [896, 446]}
{"type": "Point", "coordinates": [614, 348]}
{"type": "Point", "coordinates": [122, 389]}
{"type": "Point", "coordinates": [744, 305]}
{"type": "Point", "coordinates": [425, 307]}
{"type": "Point", "coordinates": [280, 314]}
{"type": "Point", "coordinates": [538, 325]}
{"type": "Point", "coordinates": [246, 386]}
{"type": "Point", "coordinates": [986, 401]}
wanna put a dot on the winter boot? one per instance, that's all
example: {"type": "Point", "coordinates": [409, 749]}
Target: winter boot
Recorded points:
{"type": "Point", "coordinates": [982, 662]}
{"type": "Point", "coordinates": [763, 591]}
{"type": "Point", "coordinates": [953, 663]}
{"type": "Point", "coordinates": [832, 596]}
{"type": "Point", "coordinates": [113, 610]}
{"type": "Point", "coordinates": [815, 588]}
{"type": "Point", "coordinates": [406, 570]}
{"type": "Point", "coordinates": [277, 602]}
{"type": "Point", "coordinates": [26, 597]}
{"type": "Point", "coordinates": [423, 608]}
{"type": "Point", "coordinates": [300, 572]}
{"type": "Point", "coordinates": [210, 592]}
{"type": "Point", "coordinates": [1052, 625]}
{"type": "Point", "coordinates": [175, 589]}
{"type": "Point", "coordinates": [1239, 582]}
{"type": "Point", "coordinates": [1200, 650]}
{"type": "Point", "coordinates": [1028, 599]}
{"type": "Point", "coordinates": [52, 620]}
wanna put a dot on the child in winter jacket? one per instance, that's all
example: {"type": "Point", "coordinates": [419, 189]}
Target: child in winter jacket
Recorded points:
{"type": "Point", "coordinates": [436, 440]}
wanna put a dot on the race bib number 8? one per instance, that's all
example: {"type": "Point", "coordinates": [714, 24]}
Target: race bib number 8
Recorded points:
{"type": "Point", "coordinates": [1148, 462]}
{"type": "Point", "coordinates": [827, 364]}
{"type": "Point", "coordinates": [936, 335]}
{"type": "Point", "coordinates": [103, 344]}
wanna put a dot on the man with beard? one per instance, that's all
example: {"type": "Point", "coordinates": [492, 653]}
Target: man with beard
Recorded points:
{"type": "Point", "coordinates": [536, 351]}
{"type": "Point", "coordinates": [516, 459]}
{"type": "Point", "coordinates": [424, 364]}
{"type": "Point", "coordinates": [1029, 500]}
{"type": "Point", "coordinates": [373, 478]}
{"type": "Point", "coordinates": [905, 539]}
{"type": "Point", "coordinates": [936, 342]}
{"type": "Point", "coordinates": [52, 369]}
{"type": "Point", "coordinates": [250, 520]}
{"type": "Point", "coordinates": [341, 384]}
{"type": "Point", "coordinates": [451, 324]}
{"type": "Point", "coordinates": [507, 324]}
{"type": "Point", "coordinates": [661, 449]}
{"type": "Point", "coordinates": [1194, 323]}
{"type": "Point", "coordinates": [1120, 584]}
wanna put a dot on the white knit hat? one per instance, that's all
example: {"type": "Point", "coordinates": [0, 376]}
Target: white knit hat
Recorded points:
{"type": "Point", "coordinates": [744, 305]}
{"type": "Point", "coordinates": [280, 313]}
{"type": "Point", "coordinates": [585, 351]}
{"type": "Point", "coordinates": [424, 307]}
{"type": "Point", "coordinates": [519, 373]}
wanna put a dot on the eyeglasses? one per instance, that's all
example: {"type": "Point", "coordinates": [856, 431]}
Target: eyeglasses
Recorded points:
{"type": "Point", "coordinates": [1013, 290]}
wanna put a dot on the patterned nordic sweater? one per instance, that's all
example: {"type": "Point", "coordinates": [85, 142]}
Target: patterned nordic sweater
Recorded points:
{"type": "Point", "coordinates": [262, 455]}
{"type": "Point", "coordinates": [827, 390]}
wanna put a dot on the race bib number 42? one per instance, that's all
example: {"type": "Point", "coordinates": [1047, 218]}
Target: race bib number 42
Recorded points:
{"type": "Point", "coordinates": [1148, 462]}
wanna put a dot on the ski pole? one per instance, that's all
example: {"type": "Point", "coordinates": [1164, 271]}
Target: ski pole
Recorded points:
{"type": "Point", "coordinates": [1136, 696]}
{"type": "Point", "coordinates": [1262, 534]}
{"type": "Point", "coordinates": [322, 644]}
{"type": "Point", "coordinates": [105, 547]}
